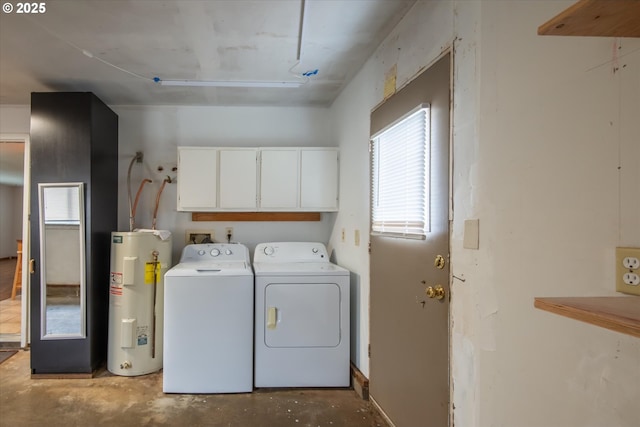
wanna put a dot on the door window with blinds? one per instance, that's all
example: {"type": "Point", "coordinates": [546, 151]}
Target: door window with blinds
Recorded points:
{"type": "Point", "coordinates": [400, 176]}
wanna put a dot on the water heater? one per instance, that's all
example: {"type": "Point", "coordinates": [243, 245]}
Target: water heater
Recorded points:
{"type": "Point", "coordinates": [139, 260]}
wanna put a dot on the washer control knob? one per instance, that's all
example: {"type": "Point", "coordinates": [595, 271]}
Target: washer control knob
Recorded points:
{"type": "Point", "coordinates": [200, 252]}
{"type": "Point", "coordinates": [314, 250]}
{"type": "Point", "coordinates": [268, 250]}
{"type": "Point", "coordinates": [228, 252]}
{"type": "Point", "coordinates": [215, 252]}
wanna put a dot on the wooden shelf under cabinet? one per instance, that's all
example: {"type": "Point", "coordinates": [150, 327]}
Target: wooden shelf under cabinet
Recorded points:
{"type": "Point", "coordinates": [596, 18]}
{"type": "Point", "coordinates": [255, 216]}
{"type": "Point", "coordinates": [620, 314]}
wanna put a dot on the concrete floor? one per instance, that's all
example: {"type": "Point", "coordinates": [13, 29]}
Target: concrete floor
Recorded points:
{"type": "Point", "coordinates": [110, 400]}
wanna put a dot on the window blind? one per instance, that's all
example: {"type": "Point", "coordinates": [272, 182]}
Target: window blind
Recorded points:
{"type": "Point", "coordinates": [61, 205]}
{"type": "Point", "coordinates": [400, 177]}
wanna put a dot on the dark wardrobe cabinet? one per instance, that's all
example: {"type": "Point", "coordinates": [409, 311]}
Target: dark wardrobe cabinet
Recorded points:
{"type": "Point", "coordinates": [74, 138]}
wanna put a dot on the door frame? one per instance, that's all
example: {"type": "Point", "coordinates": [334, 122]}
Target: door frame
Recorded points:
{"type": "Point", "coordinates": [26, 253]}
{"type": "Point", "coordinates": [450, 49]}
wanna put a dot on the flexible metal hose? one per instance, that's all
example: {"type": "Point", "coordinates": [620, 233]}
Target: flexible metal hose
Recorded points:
{"type": "Point", "coordinates": [129, 191]}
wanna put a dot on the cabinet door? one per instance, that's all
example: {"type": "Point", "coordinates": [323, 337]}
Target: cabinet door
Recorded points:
{"type": "Point", "coordinates": [319, 179]}
{"type": "Point", "coordinates": [279, 179]}
{"type": "Point", "coordinates": [197, 178]}
{"type": "Point", "coordinates": [238, 174]}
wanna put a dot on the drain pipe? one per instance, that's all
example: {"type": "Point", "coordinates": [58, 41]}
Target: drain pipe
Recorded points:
{"type": "Point", "coordinates": [155, 290]}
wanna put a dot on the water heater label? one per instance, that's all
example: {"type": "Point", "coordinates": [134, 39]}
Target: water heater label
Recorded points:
{"type": "Point", "coordinates": [142, 334]}
{"type": "Point", "coordinates": [117, 239]}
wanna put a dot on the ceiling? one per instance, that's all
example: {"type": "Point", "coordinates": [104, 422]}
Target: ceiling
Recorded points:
{"type": "Point", "coordinates": [115, 49]}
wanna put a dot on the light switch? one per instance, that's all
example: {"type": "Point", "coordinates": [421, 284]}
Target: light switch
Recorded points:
{"type": "Point", "coordinates": [471, 238]}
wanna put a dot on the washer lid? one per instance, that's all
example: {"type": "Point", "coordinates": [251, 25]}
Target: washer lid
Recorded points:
{"type": "Point", "coordinates": [299, 269]}
{"type": "Point", "coordinates": [200, 268]}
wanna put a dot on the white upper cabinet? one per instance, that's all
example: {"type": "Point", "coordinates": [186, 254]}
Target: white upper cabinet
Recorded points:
{"type": "Point", "coordinates": [238, 178]}
{"type": "Point", "coordinates": [197, 178]}
{"type": "Point", "coordinates": [267, 179]}
{"type": "Point", "coordinates": [319, 179]}
{"type": "Point", "coordinates": [279, 183]}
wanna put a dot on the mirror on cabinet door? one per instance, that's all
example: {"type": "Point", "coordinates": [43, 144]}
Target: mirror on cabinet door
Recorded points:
{"type": "Point", "coordinates": [62, 260]}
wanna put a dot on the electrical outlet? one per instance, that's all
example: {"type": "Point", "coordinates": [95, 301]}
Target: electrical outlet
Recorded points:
{"type": "Point", "coordinates": [343, 236]}
{"type": "Point", "coordinates": [198, 236]}
{"type": "Point", "coordinates": [630, 262]}
{"type": "Point", "coordinates": [631, 279]}
{"type": "Point", "coordinates": [628, 270]}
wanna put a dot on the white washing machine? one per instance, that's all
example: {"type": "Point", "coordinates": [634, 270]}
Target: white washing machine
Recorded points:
{"type": "Point", "coordinates": [301, 317]}
{"type": "Point", "coordinates": [208, 321]}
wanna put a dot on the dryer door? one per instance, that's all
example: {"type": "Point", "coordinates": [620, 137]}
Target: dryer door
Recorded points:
{"type": "Point", "coordinates": [302, 315]}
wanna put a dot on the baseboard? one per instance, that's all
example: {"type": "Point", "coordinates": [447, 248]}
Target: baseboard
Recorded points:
{"type": "Point", "coordinates": [360, 382]}
{"type": "Point", "coordinates": [64, 376]}
{"type": "Point", "coordinates": [381, 412]}
{"type": "Point", "coordinates": [97, 372]}
{"type": "Point", "coordinates": [10, 342]}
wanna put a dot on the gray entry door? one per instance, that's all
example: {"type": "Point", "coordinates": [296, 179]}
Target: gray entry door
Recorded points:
{"type": "Point", "coordinates": [409, 331]}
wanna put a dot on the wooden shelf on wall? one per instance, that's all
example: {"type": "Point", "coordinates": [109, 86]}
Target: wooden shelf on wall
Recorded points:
{"type": "Point", "coordinates": [620, 314]}
{"type": "Point", "coordinates": [602, 18]}
{"type": "Point", "coordinates": [255, 216]}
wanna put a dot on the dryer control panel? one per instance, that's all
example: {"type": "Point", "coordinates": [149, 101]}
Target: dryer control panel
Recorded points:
{"type": "Point", "coordinates": [215, 251]}
{"type": "Point", "coordinates": [291, 252]}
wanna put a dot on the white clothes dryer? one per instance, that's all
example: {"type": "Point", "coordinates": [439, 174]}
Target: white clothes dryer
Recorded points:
{"type": "Point", "coordinates": [301, 317]}
{"type": "Point", "coordinates": [208, 321]}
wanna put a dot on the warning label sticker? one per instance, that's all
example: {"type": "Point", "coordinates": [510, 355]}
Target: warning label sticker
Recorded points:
{"type": "Point", "coordinates": [149, 269]}
{"type": "Point", "coordinates": [116, 278]}
{"type": "Point", "coordinates": [115, 287]}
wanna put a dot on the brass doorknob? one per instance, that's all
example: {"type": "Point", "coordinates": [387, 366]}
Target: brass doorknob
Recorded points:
{"type": "Point", "coordinates": [436, 292]}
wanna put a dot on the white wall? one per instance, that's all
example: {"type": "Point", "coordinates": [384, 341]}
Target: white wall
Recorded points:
{"type": "Point", "coordinates": [158, 131]}
{"type": "Point", "coordinates": [554, 124]}
{"type": "Point", "coordinates": [541, 125]}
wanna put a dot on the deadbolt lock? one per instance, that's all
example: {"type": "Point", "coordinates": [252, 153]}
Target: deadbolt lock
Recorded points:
{"type": "Point", "coordinates": [439, 262]}
{"type": "Point", "coordinates": [436, 292]}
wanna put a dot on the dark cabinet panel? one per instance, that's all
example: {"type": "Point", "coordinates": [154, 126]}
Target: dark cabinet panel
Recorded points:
{"type": "Point", "coordinates": [74, 138]}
